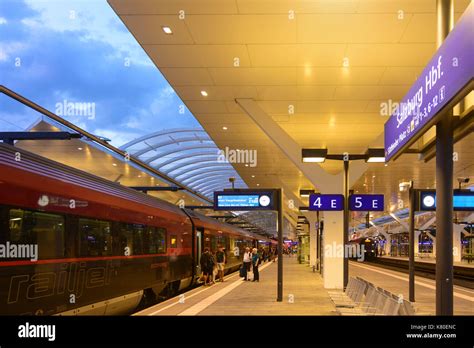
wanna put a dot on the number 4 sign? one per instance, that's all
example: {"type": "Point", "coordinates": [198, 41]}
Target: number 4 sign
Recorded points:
{"type": "Point", "coordinates": [320, 202]}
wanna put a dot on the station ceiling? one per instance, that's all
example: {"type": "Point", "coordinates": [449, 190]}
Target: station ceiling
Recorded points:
{"type": "Point", "coordinates": [320, 69]}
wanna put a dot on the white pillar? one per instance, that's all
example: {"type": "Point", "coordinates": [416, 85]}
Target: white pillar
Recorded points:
{"type": "Point", "coordinates": [332, 244]}
{"type": "Point", "coordinates": [313, 240]}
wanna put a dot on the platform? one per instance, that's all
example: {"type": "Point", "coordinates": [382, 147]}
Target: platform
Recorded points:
{"type": "Point", "coordinates": [237, 297]}
{"type": "Point", "coordinates": [425, 289]}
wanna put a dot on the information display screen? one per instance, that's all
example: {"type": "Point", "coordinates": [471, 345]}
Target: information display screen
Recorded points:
{"type": "Point", "coordinates": [243, 201]}
{"type": "Point", "coordinates": [462, 201]}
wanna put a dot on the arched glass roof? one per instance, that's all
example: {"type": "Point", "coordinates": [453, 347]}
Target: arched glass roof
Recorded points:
{"type": "Point", "coordinates": [188, 156]}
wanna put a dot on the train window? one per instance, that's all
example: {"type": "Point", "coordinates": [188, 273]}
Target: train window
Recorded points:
{"type": "Point", "coordinates": [139, 236]}
{"type": "Point", "coordinates": [44, 230]}
{"type": "Point", "coordinates": [173, 241]}
{"type": "Point", "coordinates": [125, 239]}
{"type": "Point", "coordinates": [95, 237]}
{"type": "Point", "coordinates": [156, 240]}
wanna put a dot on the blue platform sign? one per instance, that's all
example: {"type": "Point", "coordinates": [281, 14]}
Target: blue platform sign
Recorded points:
{"type": "Point", "coordinates": [447, 74]}
{"type": "Point", "coordinates": [366, 202]}
{"type": "Point", "coordinates": [462, 200]}
{"type": "Point", "coordinates": [228, 200]}
{"type": "Point", "coordinates": [320, 202]}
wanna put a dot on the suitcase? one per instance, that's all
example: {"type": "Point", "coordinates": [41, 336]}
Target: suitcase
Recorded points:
{"type": "Point", "coordinates": [242, 271]}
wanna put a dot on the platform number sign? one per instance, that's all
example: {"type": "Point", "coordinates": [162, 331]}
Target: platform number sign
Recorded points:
{"type": "Point", "coordinates": [323, 202]}
{"type": "Point", "coordinates": [366, 202]}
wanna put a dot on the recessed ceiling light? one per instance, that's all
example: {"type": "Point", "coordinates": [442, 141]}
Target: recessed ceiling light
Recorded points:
{"type": "Point", "coordinates": [258, 184]}
{"type": "Point", "coordinates": [224, 128]}
{"type": "Point", "coordinates": [114, 164]}
{"type": "Point", "coordinates": [167, 30]}
{"type": "Point", "coordinates": [79, 148]}
{"type": "Point", "coordinates": [246, 165]}
{"type": "Point", "coordinates": [253, 176]}
{"type": "Point", "coordinates": [139, 176]}
{"type": "Point", "coordinates": [204, 93]}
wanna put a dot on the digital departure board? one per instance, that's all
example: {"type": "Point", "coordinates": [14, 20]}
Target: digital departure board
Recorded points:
{"type": "Point", "coordinates": [228, 200]}
{"type": "Point", "coordinates": [462, 200]}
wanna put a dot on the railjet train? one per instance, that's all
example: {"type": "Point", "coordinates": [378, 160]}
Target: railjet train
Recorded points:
{"type": "Point", "coordinates": [103, 248]}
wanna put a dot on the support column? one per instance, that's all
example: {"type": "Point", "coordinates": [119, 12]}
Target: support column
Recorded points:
{"type": "Point", "coordinates": [313, 243]}
{"type": "Point", "coordinates": [333, 250]}
{"type": "Point", "coordinates": [444, 183]}
{"type": "Point", "coordinates": [346, 220]}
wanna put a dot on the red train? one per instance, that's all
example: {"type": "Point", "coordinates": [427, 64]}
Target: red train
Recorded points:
{"type": "Point", "coordinates": [102, 248]}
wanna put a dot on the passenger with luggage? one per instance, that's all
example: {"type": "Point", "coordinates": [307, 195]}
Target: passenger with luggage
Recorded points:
{"type": "Point", "coordinates": [247, 263]}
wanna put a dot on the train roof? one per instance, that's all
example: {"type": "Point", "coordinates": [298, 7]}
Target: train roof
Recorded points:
{"type": "Point", "coordinates": [38, 165]}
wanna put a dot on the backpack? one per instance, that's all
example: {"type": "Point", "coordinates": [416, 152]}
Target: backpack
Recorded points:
{"type": "Point", "coordinates": [210, 262]}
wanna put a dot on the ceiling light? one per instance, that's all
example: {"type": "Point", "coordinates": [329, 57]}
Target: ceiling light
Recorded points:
{"type": "Point", "coordinates": [224, 128]}
{"type": "Point", "coordinates": [304, 209]}
{"type": "Point", "coordinates": [114, 164]}
{"type": "Point", "coordinates": [253, 176]}
{"type": "Point", "coordinates": [305, 193]}
{"type": "Point", "coordinates": [167, 30]}
{"type": "Point", "coordinates": [375, 155]}
{"type": "Point", "coordinates": [204, 93]}
{"type": "Point", "coordinates": [79, 148]}
{"type": "Point", "coordinates": [258, 184]}
{"type": "Point", "coordinates": [314, 155]}
{"type": "Point", "coordinates": [246, 165]}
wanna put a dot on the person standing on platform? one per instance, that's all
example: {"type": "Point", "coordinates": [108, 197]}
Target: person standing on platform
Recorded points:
{"type": "Point", "coordinates": [221, 259]}
{"type": "Point", "coordinates": [206, 266]}
{"type": "Point", "coordinates": [247, 262]}
{"type": "Point", "coordinates": [255, 264]}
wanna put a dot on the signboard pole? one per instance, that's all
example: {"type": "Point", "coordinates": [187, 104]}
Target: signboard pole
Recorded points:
{"type": "Point", "coordinates": [346, 222]}
{"type": "Point", "coordinates": [411, 243]}
{"type": "Point", "coordinates": [444, 182]}
{"type": "Point", "coordinates": [280, 245]}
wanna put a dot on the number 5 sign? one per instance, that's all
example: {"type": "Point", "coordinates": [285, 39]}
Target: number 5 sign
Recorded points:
{"type": "Point", "coordinates": [366, 203]}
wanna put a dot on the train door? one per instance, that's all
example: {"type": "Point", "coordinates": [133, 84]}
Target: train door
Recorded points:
{"type": "Point", "coordinates": [198, 250]}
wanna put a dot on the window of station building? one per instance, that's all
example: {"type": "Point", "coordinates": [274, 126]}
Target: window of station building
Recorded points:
{"type": "Point", "coordinates": [95, 237]}
{"type": "Point", "coordinates": [36, 228]}
{"type": "Point", "coordinates": [173, 241]}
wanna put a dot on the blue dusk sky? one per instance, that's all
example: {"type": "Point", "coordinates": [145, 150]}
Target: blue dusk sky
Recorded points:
{"type": "Point", "coordinates": [56, 51]}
